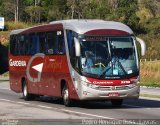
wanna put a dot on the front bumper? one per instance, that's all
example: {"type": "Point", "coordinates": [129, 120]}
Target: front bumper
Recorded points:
{"type": "Point", "coordinates": [87, 93]}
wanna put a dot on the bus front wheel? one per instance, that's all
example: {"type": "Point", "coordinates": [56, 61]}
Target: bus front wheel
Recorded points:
{"type": "Point", "coordinates": [65, 94]}
{"type": "Point", "coordinates": [117, 102]}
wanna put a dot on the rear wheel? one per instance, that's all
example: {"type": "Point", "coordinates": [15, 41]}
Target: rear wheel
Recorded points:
{"type": "Point", "coordinates": [117, 102]}
{"type": "Point", "coordinates": [65, 94]}
{"type": "Point", "coordinates": [26, 95]}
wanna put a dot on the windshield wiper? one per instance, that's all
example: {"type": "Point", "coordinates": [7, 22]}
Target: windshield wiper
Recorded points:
{"type": "Point", "coordinates": [119, 63]}
{"type": "Point", "coordinates": [121, 67]}
{"type": "Point", "coordinates": [104, 72]}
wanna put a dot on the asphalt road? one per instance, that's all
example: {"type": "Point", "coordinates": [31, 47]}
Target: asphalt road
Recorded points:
{"type": "Point", "coordinates": [48, 110]}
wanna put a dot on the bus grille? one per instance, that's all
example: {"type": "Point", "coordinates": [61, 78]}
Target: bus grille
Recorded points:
{"type": "Point", "coordinates": [111, 88]}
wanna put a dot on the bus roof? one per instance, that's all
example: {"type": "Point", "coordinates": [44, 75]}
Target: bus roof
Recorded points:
{"type": "Point", "coordinates": [82, 26]}
{"type": "Point", "coordinates": [17, 31]}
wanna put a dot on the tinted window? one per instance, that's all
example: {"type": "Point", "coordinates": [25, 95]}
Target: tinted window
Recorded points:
{"type": "Point", "coordinates": [51, 37]}
{"type": "Point", "coordinates": [42, 42]}
{"type": "Point", "coordinates": [30, 44]}
{"type": "Point", "coordinates": [12, 44]}
{"type": "Point", "coordinates": [33, 44]}
{"type": "Point", "coordinates": [61, 44]}
{"type": "Point", "coordinates": [71, 47]}
{"type": "Point", "coordinates": [21, 45]}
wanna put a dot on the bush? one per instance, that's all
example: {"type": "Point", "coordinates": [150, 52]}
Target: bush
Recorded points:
{"type": "Point", "coordinates": [150, 73]}
{"type": "Point", "coordinates": [12, 25]}
{"type": "Point", "coordinates": [4, 38]}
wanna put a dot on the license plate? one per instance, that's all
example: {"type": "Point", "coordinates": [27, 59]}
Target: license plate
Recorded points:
{"type": "Point", "coordinates": [113, 94]}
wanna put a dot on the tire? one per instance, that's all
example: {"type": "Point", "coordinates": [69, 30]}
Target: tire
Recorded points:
{"type": "Point", "coordinates": [65, 95]}
{"type": "Point", "coordinates": [117, 102]}
{"type": "Point", "coordinates": [26, 95]}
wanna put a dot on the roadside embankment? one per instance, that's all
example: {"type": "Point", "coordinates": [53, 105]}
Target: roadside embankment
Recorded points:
{"type": "Point", "coordinates": [150, 73]}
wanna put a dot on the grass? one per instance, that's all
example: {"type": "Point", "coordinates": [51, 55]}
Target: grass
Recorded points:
{"type": "Point", "coordinates": [4, 38]}
{"type": "Point", "coordinates": [11, 25]}
{"type": "Point", "coordinates": [5, 74]}
{"type": "Point", "coordinates": [150, 73]}
{"type": "Point", "coordinates": [151, 96]}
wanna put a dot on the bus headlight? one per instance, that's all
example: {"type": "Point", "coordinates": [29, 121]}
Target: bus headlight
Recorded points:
{"type": "Point", "coordinates": [90, 85]}
{"type": "Point", "coordinates": [134, 84]}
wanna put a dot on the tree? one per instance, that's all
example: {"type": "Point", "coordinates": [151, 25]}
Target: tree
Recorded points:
{"type": "Point", "coordinates": [126, 13]}
{"type": "Point", "coordinates": [35, 13]}
{"type": "Point", "coordinates": [56, 10]}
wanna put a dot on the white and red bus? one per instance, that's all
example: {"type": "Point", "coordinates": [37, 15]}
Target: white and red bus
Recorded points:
{"type": "Point", "coordinates": [75, 60]}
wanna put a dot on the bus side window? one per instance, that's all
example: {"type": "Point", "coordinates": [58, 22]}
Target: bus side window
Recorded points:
{"type": "Point", "coordinates": [42, 42]}
{"type": "Point", "coordinates": [71, 47]}
{"type": "Point", "coordinates": [60, 49]}
{"type": "Point", "coordinates": [28, 44]}
{"type": "Point", "coordinates": [33, 44]}
{"type": "Point", "coordinates": [51, 38]}
{"type": "Point", "coordinates": [17, 46]}
{"type": "Point", "coordinates": [12, 44]}
{"type": "Point", "coordinates": [21, 45]}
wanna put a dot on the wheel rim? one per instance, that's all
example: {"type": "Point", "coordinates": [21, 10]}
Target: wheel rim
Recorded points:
{"type": "Point", "coordinates": [25, 90]}
{"type": "Point", "coordinates": [66, 96]}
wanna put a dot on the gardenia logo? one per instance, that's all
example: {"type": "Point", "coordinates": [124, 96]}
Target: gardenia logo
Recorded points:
{"type": "Point", "coordinates": [17, 63]}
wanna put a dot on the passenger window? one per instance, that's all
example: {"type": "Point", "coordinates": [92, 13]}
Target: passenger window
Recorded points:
{"type": "Point", "coordinates": [61, 44]}
{"type": "Point", "coordinates": [17, 46]}
{"type": "Point", "coordinates": [33, 44]}
{"type": "Point", "coordinates": [21, 45]}
{"type": "Point", "coordinates": [71, 47]}
{"type": "Point", "coordinates": [12, 44]}
{"type": "Point", "coordinates": [51, 38]}
{"type": "Point", "coordinates": [42, 42]}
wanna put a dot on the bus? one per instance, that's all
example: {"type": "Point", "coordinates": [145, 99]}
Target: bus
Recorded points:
{"type": "Point", "coordinates": [76, 60]}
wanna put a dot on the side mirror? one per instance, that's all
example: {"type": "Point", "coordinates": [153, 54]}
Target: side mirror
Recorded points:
{"type": "Point", "coordinates": [77, 47]}
{"type": "Point", "coordinates": [143, 46]}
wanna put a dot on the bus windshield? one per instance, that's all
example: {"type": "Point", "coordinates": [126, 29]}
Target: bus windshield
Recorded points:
{"type": "Point", "coordinates": [108, 57]}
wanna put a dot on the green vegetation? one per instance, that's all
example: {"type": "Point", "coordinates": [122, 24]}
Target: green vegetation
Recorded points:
{"type": "Point", "coordinates": [11, 25]}
{"type": "Point", "coordinates": [150, 73]}
{"type": "Point", "coordinates": [143, 16]}
{"type": "Point", "coordinates": [5, 74]}
{"type": "Point", "coordinates": [4, 38]}
{"type": "Point", "coordinates": [151, 96]}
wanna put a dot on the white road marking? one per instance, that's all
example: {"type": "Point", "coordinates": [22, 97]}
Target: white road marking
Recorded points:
{"type": "Point", "coordinates": [149, 98]}
{"type": "Point", "coordinates": [47, 107]}
{"type": "Point", "coordinates": [42, 106]}
{"type": "Point", "coordinates": [4, 88]}
{"type": "Point", "coordinates": [23, 103]}
{"type": "Point", "coordinates": [69, 111]}
{"type": "Point", "coordinates": [98, 116]}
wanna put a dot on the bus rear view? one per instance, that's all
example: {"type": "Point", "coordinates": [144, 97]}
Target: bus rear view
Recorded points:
{"type": "Point", "coordinates": [100, 58]}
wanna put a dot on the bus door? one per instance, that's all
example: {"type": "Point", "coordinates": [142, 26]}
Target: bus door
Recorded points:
{"type": "Point", "coordinates": [54, 53]}
{"type": "Point", "coordinates": [32, 72]}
